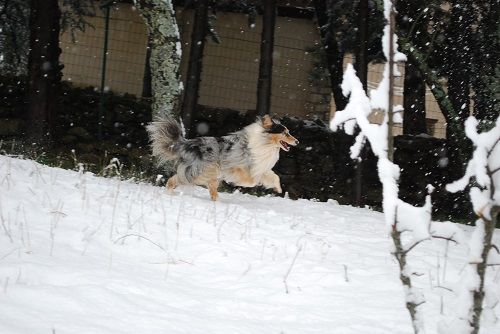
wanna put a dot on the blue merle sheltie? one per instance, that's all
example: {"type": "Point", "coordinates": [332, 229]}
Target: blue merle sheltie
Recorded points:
{"type": "Point", "coordinates": [244, 158]}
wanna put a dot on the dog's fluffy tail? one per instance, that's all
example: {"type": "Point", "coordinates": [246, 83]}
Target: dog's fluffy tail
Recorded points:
{"type": "Point", "coordinates": [164, 134]}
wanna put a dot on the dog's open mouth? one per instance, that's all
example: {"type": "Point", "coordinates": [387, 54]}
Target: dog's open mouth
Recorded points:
{"type": "Point", "coordinates": [284, 146]}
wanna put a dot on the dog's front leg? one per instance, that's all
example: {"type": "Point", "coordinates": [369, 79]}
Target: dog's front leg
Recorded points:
{"type": "Point", "coordinates": [172, 183]}
{"type": "Point", "coordinates": [271, 180]}
{"type": "Point", "coordinates": [242, 178]}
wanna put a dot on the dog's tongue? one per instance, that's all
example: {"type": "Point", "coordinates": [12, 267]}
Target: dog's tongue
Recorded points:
{"type": "Point", "coordinates": [285, 145]}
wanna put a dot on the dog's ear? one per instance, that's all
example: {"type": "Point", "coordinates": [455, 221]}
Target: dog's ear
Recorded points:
{"type": "Point", "coordinates": [267, 122]}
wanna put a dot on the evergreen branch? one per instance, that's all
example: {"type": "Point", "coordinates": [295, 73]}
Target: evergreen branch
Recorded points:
{"type": "Point", "coordinates": [437, 89]}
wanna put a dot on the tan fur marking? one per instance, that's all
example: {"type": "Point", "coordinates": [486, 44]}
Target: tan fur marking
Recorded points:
{"type": "Point", "coordinates": [267, 122]}
{"type": "Point", "coordinates": [212, 188]}
{"type": "Point", "coordinates": [276, 137]}
{"type": "Point", "coordinates": [172, 183]}
{"type": "Point", "coordinates": [210, 173]}
{"type": "Point", "coordinates": [271, 180]}
{"type": "Point", "coordinates": [242, 177]}
{"type": "Point", "coordinates": [209, 178]}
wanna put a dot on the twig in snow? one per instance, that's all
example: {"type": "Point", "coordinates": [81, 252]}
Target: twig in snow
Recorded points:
{"type": "Point", "coordinates": [445, 260]}
{"type": "Point", "coordinates": [438, 266]}
{"type": "Point", "coordinates": [346, 278]}
{"type": "Point", "coordinates": [443, 287]}
{"type": "Point", "coordinates": [445, 238]}
{"type": "Point", "coordinates": [6, 230]}
{"type": "Point", "coordinates": [415, 244]}
{"type": "Point", "coordinates": [28, 236]}
{"type": "Point", "coordinates": [285, 278]}
{"type": "Point", "coordinates": [110, 260]}
{"type": "Point", "coordinates": [8, 176]}
{"type": "Point", "coordinates": [219, 230]}
{"type": "Point", "coordinates": [115, 202]}
{"type": "Point", "coordinates": [139, 236]}
{"type": "Point", "coordinates": [6, 284]}
{"type": "Point", "coordinates": [247, 270]}
{"type": "Point", "coordinates": [263, 247]}
{"type": "Point", "coordinates": [177, 223]}
{"type": "Point", "coordinates": [56, 215]}
{"type": "Point", "coordinates": [12, 251]}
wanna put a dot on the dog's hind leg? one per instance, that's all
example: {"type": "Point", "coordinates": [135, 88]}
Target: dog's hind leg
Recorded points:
{"type": "Point", "coordinates": [172, 183]}
{"type": "Point", "coordinates": [271, 180]}
{"type": "Point", "coordinates": [212, 188]}
{"type": "Point", "coordinates": [210, 179]}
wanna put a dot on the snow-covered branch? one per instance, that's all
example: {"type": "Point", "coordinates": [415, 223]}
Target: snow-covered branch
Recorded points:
{"type": "Point", "coordinates": [400, 217]}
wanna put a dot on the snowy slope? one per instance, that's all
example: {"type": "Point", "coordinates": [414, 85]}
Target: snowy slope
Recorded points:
{"type": "Point", "coordinates": [83, 254]}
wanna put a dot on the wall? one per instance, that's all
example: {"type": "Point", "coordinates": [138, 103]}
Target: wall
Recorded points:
{"type": "Point", "coordinates": [82, 58]}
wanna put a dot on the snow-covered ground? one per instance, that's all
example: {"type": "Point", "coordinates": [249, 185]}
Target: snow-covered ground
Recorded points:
{"type": "Point", "coordinates": [84, 254]}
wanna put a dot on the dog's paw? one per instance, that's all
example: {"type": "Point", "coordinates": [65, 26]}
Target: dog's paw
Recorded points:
{"type": "Point", "coordinates": [278, 189]}
{"type": "Point", "coordinates": [171, 192]}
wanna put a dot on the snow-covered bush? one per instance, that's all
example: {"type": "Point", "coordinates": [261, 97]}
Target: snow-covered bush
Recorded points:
{"type": "Point", "coordinates": [483, 172]}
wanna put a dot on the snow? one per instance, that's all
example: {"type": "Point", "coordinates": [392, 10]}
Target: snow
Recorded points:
{"type": "Point", "coordinates": [86, 254]}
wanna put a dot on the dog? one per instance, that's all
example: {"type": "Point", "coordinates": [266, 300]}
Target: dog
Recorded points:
{"type": "Point", "coordinates": [244, 158]}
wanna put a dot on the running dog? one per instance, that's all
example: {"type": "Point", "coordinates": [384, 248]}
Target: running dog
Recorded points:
{"type": "Point", "coordinates": [244, 158]}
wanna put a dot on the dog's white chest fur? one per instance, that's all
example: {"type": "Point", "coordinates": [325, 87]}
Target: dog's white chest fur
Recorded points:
{"type": "Point", "coordinates": [264, 154]}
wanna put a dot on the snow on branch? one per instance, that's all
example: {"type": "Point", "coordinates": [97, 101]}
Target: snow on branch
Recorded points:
{"type": "Point", "coordinates": [357, 111]}
{"type": "Point", "coordinates": [483, 167]}
{"type": "Point", "coordinates": [378, 96]}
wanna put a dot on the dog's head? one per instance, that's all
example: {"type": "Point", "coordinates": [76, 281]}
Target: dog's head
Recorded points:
{"type": "Point", "coordinates": [278, 133]}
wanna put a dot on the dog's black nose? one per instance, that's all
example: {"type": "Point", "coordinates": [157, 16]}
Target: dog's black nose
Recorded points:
{"type": "Point", "coordinates": [296, 142]}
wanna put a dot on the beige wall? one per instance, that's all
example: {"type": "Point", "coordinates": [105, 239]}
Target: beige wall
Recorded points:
{"type": "Point", "coordinates": [230, 69]}
{"type": "Point", "coordinates": [126, 52]}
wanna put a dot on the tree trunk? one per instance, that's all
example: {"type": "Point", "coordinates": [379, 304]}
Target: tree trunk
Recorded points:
{"type": "Point", "coordinates": [478, 295]}
{"type": "Point", "coordinates": [413, 101]}
{"type": "Point", "coordinates": [44, 70]}
{"type": "Point", "coordinates": [361, 66]}
{"type": "Point", "coordinates": [334, 57]}
{"type": "Point", "coordinates": [198, 37]}
{"type": "Point", "coordinates": [147, 91]}
{"type": "Point", "coordinates": [486, 66]}
{"type": "Point", "coordinates": [266, 58]}
{"type": "Point", "coordinates": [459, 52]}
{"type": "Point", "coordinates": [165, 56]}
